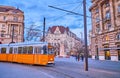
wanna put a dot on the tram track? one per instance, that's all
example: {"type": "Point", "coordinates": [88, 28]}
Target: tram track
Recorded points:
{"type": "Point", "coordinates": [55, 72]}
{"type": "Point", "coordinates": [63, 71]}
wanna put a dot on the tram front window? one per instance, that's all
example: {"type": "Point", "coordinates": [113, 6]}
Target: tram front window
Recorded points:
{"type": "Point", "coordinates": [44, 49]}
{"type": "Point", "coordinates": [50, 51]}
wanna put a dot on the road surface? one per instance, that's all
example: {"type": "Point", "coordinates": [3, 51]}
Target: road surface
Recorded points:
{"type": "Point", "coordinates": [63, 68]}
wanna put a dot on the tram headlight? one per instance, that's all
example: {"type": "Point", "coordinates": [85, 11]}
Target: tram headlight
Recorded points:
{"type": "Point", "coordinates": [51, 58]}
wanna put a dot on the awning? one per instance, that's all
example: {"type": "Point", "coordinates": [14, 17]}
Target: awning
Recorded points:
{"type": "Point", "coordinates": [110, 48]}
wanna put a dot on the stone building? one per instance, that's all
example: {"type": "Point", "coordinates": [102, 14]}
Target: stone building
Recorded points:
{"type": "Point", "coordinates": [11, 24]}
{"type": "Point", "coordinates": [105, 36]}
{"type": "Point", "coordinates": [64, 41]}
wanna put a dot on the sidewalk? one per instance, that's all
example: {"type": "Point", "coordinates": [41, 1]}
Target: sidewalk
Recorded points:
{"type": "Point", "coordinates": [96, 68]}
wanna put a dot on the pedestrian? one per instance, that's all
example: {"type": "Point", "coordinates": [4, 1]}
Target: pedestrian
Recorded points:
{"type": "Point", "coordinates": [82, 57]}
{"type": "Point", "coordinates": [95, 57]}
{"type": "Point", "coordinates": [78, 57]}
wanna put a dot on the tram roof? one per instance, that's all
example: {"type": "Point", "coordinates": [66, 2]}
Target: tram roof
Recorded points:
{"type": "Point", "coordinates": [24, 44]}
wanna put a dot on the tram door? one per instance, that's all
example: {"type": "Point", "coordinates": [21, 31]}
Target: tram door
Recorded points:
{"type": "Point", "coordinates": [37, 51]}
{"type": "Point", "coordinates": [36, 55]}
{"type": "Point", "coordinates": [15, 53]}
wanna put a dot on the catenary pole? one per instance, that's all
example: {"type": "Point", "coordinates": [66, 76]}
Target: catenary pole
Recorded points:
{"type": "Point", "coordinates": [44, 30]}
{"type": "Point", "coordinates": [85, 36]}
{"type": "Point", "coordinates": [85, 30]}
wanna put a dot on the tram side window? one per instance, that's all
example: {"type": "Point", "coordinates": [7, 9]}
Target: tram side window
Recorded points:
{"type": "Point", "coordinates": [10, 50]}
{"type": "Point", "coordinates": [37, 50]}
{"type": "Point", "coordinates": [25, 50]}
{"type": "Point", "coordinates": [19, 50]}
{"type": "Point", "coordinates": [30, 50]}
{"type": "Point", "coordinates": [3, 50]}
{"type": "Point", "coordinates": [15, 51]}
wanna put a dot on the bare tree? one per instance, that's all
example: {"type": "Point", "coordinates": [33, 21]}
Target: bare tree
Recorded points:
{"type": "Point", "coordinates": [33, 34]}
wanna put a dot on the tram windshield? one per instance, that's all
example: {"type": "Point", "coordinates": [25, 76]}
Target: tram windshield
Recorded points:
{"type": "Point", "coordinates": [50, 50]}
{"type": "Point", "coordinates": [47, 50]}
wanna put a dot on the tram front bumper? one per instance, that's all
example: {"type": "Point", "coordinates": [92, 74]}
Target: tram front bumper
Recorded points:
{"type": "Point", "coordinates": [50, 62]}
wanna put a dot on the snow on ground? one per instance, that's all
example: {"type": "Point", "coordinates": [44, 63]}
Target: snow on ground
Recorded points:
{"type": "Point", "coordinates": [68, 59]}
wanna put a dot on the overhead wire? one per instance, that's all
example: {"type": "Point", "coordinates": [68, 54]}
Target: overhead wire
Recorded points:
{"type": "Point", "coordinates": [68, 13]}
{"type": "Point", "coordinates": [61, 15]}
{"type": "Point", "coordinates": [67, 4]}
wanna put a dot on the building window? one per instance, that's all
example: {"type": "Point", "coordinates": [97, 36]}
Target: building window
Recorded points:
{"type": "Point", "coordinates": [3, 26]}
{"type": "Point", "coordinates": [15, 18]}
{"type": "Point", "coordinates": [107, 38]}
{"type": "Point", "coordinates": [4, 18]}
{"type": "Point", "coordinates": [107, 15]}
{"type": "Point", "coordinates": [108, 26]}
{"type": "Point", "coordinates": [2, 33]}
{"type": "Point", "coordinates": [119, 8]}
{"type": "Point", "coordinates": [97, 10]}
{"type": "Point", "coordinates": [107, 4]}
{"type": "Point", "coordinates": [96, 41]}
{"type": "Point", "coordinates": [118, 36]}
{"type": "Point", "coordinates": [97, 19]}
{"type": "Point", "coordinates": [97, 29]}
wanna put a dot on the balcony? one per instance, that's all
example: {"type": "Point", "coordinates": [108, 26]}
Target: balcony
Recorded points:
{"type": "Point", "coordinates": [111, 29]}
{"type": "Point", "coordinates": [5, 36]}
{"type": "Point", "coordinates": [105, 42]}
{"type": "Point", "coordinates": [118, 14]}
{"type": "Point", "coordinates": [117, 41]}
{"type": "Point", "coordinates": [106, 19]}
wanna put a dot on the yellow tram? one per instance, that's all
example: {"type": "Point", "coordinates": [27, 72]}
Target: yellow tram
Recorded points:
{"type": "Point", "coordinates": [40, 53]}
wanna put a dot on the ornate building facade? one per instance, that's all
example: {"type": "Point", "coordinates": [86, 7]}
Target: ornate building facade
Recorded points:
{"type": "Point", "coordinates": [105, 36]}
{"type": "Point", "coordinates": [11, 24]}
{"type": "Point", "coordinates": [64, 41]}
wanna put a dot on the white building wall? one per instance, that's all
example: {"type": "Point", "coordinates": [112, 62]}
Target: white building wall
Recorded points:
{"type": "Point", "coordinates": [114, 58]}
{"type": "Point", "coordinates": [101, 57]}
{"type": "Point", "coordinates": [53, 38]}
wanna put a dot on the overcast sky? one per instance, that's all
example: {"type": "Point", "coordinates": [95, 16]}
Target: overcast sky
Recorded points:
{"type": "Point", "coordinates": [36, 10]}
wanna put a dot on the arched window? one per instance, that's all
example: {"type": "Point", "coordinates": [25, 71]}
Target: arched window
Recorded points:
{"type": "Point", "coordinates": [96, 41]}
{"type": "Point", "coordinates": [118, 36]}
{"type": "Point", "coordinates": [107, 15]}
{"type": "Point", "coordinates": [106, 38]}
